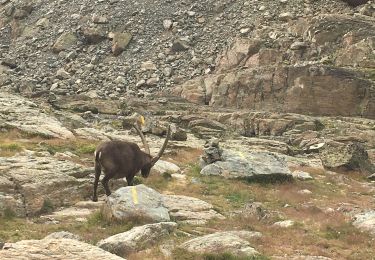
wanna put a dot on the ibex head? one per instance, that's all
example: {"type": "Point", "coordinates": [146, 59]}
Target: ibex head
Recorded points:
{"type": "Point", "coordinates": [150, 161]}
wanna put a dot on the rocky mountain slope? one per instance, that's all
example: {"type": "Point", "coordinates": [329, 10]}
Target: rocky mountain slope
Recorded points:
{"type": "Point", "coordinates": [67, 46]}
{"type": "Point", "coordinates": [272, 108]}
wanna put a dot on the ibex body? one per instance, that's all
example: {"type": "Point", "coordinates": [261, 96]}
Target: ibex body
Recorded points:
{"type": "Point", "coordinates": [121, 159]}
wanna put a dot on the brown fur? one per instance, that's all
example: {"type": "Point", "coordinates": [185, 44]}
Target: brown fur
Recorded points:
{"type": "Point", "coordinates": [121, 159]}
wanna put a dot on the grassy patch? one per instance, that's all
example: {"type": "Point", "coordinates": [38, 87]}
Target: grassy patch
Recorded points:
{"type": "Point", "coordinates": [10, 148]}
{"type": "Point", "coordinates": [8, 214]}
{"type": "Point", "coordinates": [182, 254]}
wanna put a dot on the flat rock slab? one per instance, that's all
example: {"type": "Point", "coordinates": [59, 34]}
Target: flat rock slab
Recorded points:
{"type": "Point", "coordinates": [189, 210]}
{"type": "Point", "coordinates": [234, 242]}
{"type": "Point", "coordinates": [40, 180]}
{"type": "Point", "coordinates": [365, 221]}
{"type": "Point", "coordinates": [137, 238]}
{"type": "Point", "coordinates": [47, 249]}
{"type": "Point", "coordinates": [258, 166]}
{"type": "Point", "coordinates": [20, 113]}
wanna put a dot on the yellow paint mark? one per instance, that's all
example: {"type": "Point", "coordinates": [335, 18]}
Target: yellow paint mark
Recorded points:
{"type": "Point", "coordinates": [142, 120]}
{"type": "Point", "coordinates": [134, 195]}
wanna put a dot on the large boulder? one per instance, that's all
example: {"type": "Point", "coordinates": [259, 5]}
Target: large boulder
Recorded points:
{"type": "Point", "coordinates": [365, 221]}
{"type": "Point", "coordinates": [140, 202]}
{"type": "Point", "coordinates": [350, 156]}
{"type": "Point", "coordinates": [34, 184]}
{"type": "Point", "coordinates": [47, 249]}
{"type": "Point", "coordinates": [137, 239]}
{"type": "Point", "coordinates": [258, 166]}
{"type": "Point", "coordinates": [234, 242]}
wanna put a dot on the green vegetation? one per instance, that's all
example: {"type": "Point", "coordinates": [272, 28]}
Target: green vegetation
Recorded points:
{"type": "Point", "coordinates": [8, 213]}
{"type": "Point", "coordinates": [12, 147]}
{"type": "Point", "coordinates": [47, 207]}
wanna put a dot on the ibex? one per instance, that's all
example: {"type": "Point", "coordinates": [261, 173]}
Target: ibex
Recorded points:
{"type": "Point", "coordinates": [120, 159]}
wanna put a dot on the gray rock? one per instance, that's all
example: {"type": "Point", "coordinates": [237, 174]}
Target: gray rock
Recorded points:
{"type": "Point", "coordinates": [212, 151]}
{"type": "Point", "coordinates": [365, 221]}
{"type": "Point", "coordinates": [120, 42]}
{"type": "Point", "coordinates": [139, 202]}
{"type": "Point", "coordinates": [259, 166]}
{"type": "Point", "coordinates": [62, 234]}
{"type": "Point", "coordinates": [43, 184]}
{"type": "Point", "coordinates": [351, 156]}
{"type": "Point", "coordinates": [47, 249]}
{"type": "Point", "coordinates": [284, 224]}
{"type": "Point", "coordinates": [17, 112]}
{"type": "Point", "coordinates": [179, 45]}
{"type": "Point", "coordinates": [190, 210]}
{"type": "Point", "coordinates": [64, 42]}
{"type": "Point", "coordinates": [167, 24]}
{"type": "Point", "coordinates": [137, 238]}
{"type": "Point", "coordinates": [234, 242]}
{"type": "Point", "coordinates": [301, 175]}
{"type": "Point", "coordinates": [166, 167]}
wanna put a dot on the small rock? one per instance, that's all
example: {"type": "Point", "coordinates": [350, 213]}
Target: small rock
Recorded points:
{"type": "Point", "coordinates": [167, 24]}
{"type": "Point", "coordinates": [166, 167]}
{"type": "Point", "coordinates": [62, 74]}
{"type": "Point", "coordinates": [120, 42]}
{"type": "Point", "coordinates": [179, 45]}
{"type": "Point", "coordinates": [287, 16]}
{"type": "Point", "coordinates": [305, 192]}
{"type": "Point", "coordinates": [62, 234]}
{"type": "Point", "coordinates": [303, 176]}
{"type": "Point", "coordinates": [284, 224]}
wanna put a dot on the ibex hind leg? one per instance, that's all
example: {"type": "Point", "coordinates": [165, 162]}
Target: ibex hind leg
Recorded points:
{"type": "Point", "coordinates": [98, 170]}
{"type": "Point", "coordinates": [105, 181]}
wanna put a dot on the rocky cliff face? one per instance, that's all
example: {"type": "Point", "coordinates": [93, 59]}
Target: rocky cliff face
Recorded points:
{"type": "Point", "coordinates": [320, 66]}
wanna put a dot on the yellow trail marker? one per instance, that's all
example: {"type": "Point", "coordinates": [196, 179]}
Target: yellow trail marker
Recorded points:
{"type": "Point", "coordinates": [142, 120]}
{"type": "Point", "coordinates": [134, 195]}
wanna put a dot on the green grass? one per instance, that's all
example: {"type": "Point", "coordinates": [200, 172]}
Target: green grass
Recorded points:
{"type": "Point", "coordinates": [12, 147]}
{"type": "Point", "coordinates": [47, 207]}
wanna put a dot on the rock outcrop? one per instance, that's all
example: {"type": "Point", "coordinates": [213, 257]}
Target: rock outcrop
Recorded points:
{"type": "Point", "coordinates": [365, 221]}
{"type": "Point", "coordinates": [19, 113]}
{"type": "Point", "coordinates": [258, 166]}
{"type": "Point", "coordinates": [137, 238]}
{"type": "Point", "coordinates": [34, 184]}
{"type": "Point", "coordinates": [234, 242]}
{"type": "Point", "coordinates": [47, 249]}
